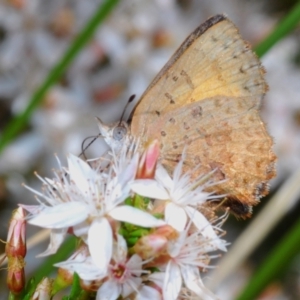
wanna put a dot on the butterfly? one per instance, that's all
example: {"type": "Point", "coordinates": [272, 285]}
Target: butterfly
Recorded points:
{"type": "Point", "coordinates": [206, 100]}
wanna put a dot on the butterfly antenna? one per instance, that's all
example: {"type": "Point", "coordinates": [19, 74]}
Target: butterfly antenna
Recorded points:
{"type": "Point", "coordinates": [90, 143]}
{"type": "Point", "coordinates": [124, 110]}
{"type": "Point", "coordinates": [95, 137]}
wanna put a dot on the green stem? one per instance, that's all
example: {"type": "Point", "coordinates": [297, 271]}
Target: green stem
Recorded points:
{"type": "Point", "coordinates": [285, 26]}
{"type": "Point", "coordinates": [11, 296]}
{"type": "Point", "coordinates": [15, 126]}
{"type": "Point", "coordinates": [274, 265]}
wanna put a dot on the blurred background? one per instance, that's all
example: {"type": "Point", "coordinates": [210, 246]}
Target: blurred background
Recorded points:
{"type": "Point", "coordinates": [124, 54]}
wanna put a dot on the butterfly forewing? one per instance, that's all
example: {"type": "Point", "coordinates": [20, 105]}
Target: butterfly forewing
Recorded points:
{"type": "Point", "coordinates": [206, 99]}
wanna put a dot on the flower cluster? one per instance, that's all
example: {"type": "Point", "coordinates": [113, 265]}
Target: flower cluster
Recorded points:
{"type": "Point", "coordinates": [144, 234]}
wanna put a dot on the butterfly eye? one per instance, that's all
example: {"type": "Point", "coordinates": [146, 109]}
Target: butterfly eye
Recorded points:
{"type": "Point", "coordinates": [119, 132]}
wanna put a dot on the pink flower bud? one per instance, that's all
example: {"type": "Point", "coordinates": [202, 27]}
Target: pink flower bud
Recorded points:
{"type": "Point", "coordinates": [150, 245]}
{"type": "Point", "coordinates": [16, 240]}
{"type": "Point", "coordinates": [16, 275]}
{"type": "Point", "coordinates": [167, 231]}
{"type": "Point", "coordinates": [148, 161]}
{"type": "Point", "coordinates": [154, 245]}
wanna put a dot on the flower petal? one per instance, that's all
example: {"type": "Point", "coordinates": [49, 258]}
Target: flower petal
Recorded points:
{"type": "Point", "coordinates": [57, 236]}
{"type": "Point", "coordinates": [86, 270]}
{"type": "Point", "coordinates": [120, 251]}
{"type": "Point", "coordinates": [109, 290]}
{"type": "Point", "coordinates": [134, 262]}
{"type": "Point", "coordinates": [191, 277]}
{"type": "Point", "coordinates": [157, 278]}
{"type": "Point", "coordinates": [147, 292]}
{"type": "Point", "coordinates": [60, 216]}
{"type": "Point", "coordinates": [193, 282]}
{"type": "Point", "coordinates": [172, 282]}
{"type": "Point", "coordinates": [129, 173]}
{"type": "Point", "coordinates": [162, 176]}
{"type": "Point", "coordinates": [100, 242]}
{"type": "Point", "coordinates": [33, 209]}
{"type": "Point", "coordinates": [130, 285]}
{"type": "Point", "coordinates": [175, 216]}
{"type": "Point", "coordinates": [205, 227]}
{"type": "Point", "coordinates": [80, 173]}
{"type": "Point", "coordinates": [178, 169]}
{"type": "Point", "coordinates": [149, 188]}
{"type": "Point", "coordinates": [135, 216]}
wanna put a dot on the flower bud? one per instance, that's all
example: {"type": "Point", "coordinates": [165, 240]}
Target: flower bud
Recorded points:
{"type": "Point", "coordinates": [148, 161]}
{"type": "Point", "coordinates": [15, 275]}
{"type": "Point", "coordinates": [150, 245]}
{"type": "Point", "coordinates": [43, 290]}
{"type": "Point", "coordinates": [167, 231]}
{"type": "Point", "coordinates": [154, 245]}
{"type": "Point", "coordinates": [16, 240]}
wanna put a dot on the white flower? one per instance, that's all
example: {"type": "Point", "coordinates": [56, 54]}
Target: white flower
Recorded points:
{"type": "Point", "coordinates": [88, 201]}
{"type": "Point", "coordinates": [123, 275]}
{"type": "Point", "coordinates": [182, 196]}
{"type": "Point", "coordinates": [187, 254]}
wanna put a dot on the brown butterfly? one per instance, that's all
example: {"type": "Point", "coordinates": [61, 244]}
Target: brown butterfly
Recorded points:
{"type": "Point", "coordinates": [206, 99]}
